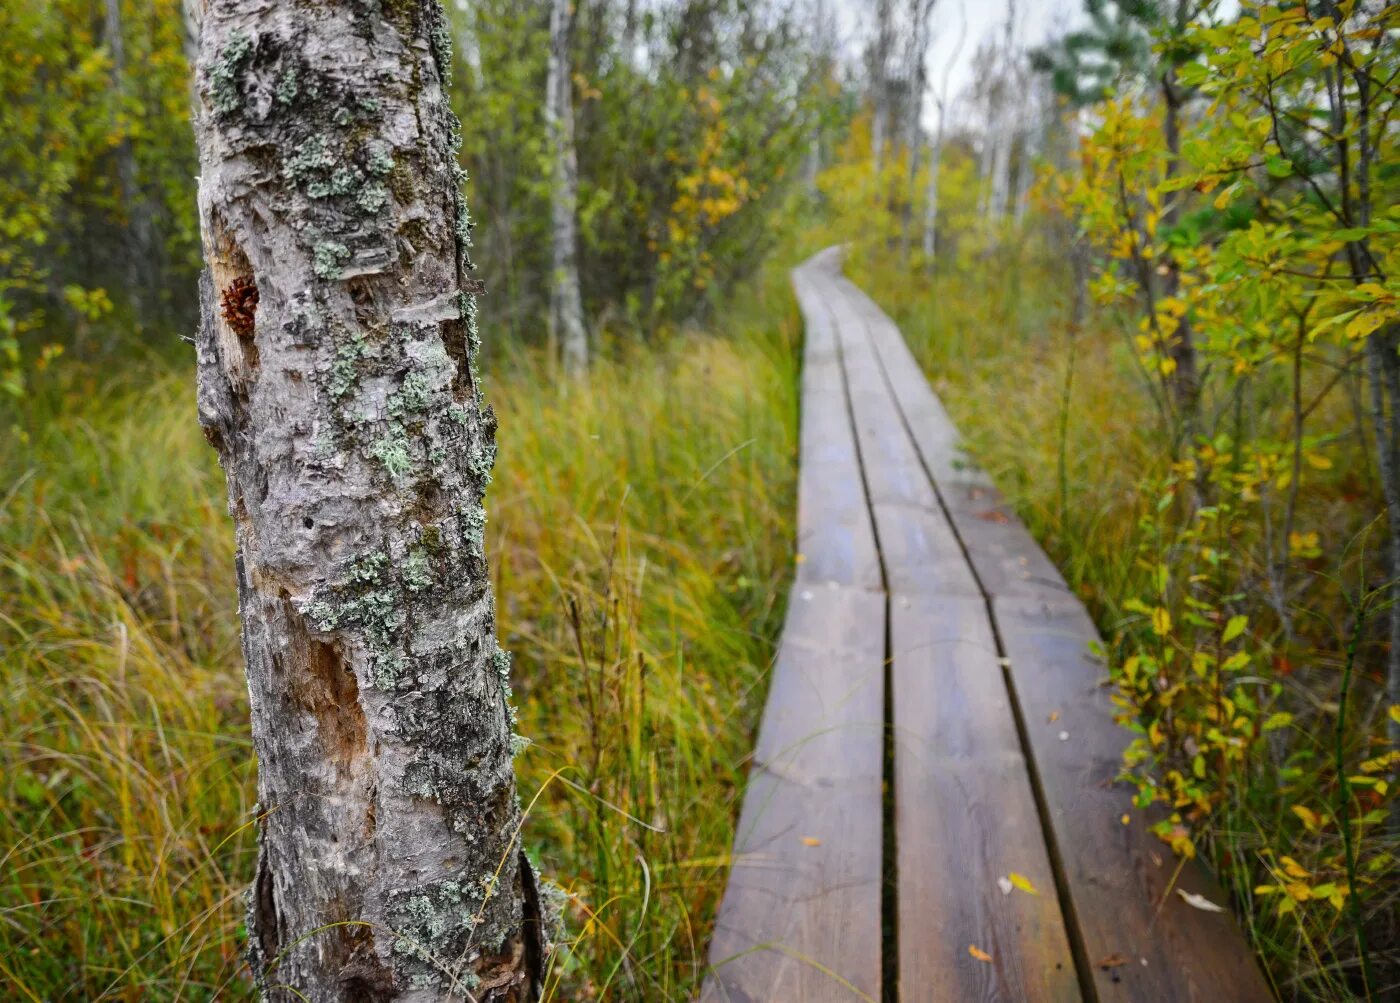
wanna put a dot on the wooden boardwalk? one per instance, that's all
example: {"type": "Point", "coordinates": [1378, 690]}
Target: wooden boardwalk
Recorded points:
{"type": "Point", "coordinates": [934, 724]}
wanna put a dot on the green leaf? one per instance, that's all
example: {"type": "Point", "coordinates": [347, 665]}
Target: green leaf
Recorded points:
{"type": "Point", "coordinates": [1234, 628]}
{"type": "Point", "coordinates": [1277, 721]}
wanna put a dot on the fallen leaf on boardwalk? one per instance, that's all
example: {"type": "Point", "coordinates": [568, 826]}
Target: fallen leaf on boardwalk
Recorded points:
{"type": "Point", "coordinates": [978, 953]}
{"type": "Point", "coordinates": [799, 558]}
{"type": "Point", "coordinates": [1054, 716]}
{"type": "Point", "coordinates": [1023, 883]}
{"type": "Point", "coordinates": [1112, 961]}
{"type": "Point", "coordinates": [1125, 820]}
{"type": "Point", "coordinates": [994, 515]}
{"type": "Point", "coordinates": [811, 841]}
{"type": "Point", "coordinates": [1198, 901]}
{"type": "Point", "coordinates": [1005, 885]}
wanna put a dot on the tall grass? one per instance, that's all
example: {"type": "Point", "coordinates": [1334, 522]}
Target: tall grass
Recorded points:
{"type": "Point", "coordinates": [640, 538]}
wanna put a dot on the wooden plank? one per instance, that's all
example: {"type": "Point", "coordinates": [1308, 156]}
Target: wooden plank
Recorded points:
{"type": "Point", "coordinates": [1119, 877]}
{"type": "Point", "coordinates": [965, 817]}
{"type": "Point", "coordinates": [800, 918]}
{"type": "Point", "coordinates": [834, 532]}
{"type": "Point", "coordinates": [917, 546]}
{"type": "Point", "coordinates": [1005, 556]}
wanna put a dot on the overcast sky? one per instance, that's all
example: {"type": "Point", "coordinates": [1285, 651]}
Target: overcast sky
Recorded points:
{"type": "Point", "coordinates": [1036, 21]}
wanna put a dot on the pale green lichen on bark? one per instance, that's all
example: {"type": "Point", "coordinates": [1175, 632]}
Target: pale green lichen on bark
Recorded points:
{"type": "Point", "coordinates": [223, 74]}
{"type": "Point", "coordinates": [330, 257]}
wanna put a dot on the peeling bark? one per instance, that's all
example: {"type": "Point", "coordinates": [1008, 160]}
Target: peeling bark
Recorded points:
{"type": "Point", "coordinates": [342, 398]}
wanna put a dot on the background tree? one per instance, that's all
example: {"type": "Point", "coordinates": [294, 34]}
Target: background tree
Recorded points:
{"type": "Point", "coordinates": [565, 300]}
{"type": "Point", "coordinates": [337, 382]}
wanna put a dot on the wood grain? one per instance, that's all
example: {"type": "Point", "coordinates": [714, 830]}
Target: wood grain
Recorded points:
{"type": "Point", "coordinates": [800, 918]}
{"type": "Point", "coordinates": [978, 792]}
{"type": "Point", "coordinates": [965, 817]}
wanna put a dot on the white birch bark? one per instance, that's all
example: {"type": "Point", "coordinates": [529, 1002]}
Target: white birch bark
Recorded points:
{"type": "Point", "coordinates": [880, 113]}
{"type": "Point", "coordinates": [935, 161]}
{"type": "Point", "coordinates": [565, 298]}
{"type": "Point", "coordinates": [347, 414]}
{"type": "Point", "coordinates": [940, 99]}
{"type": "Point", "coordinates": [139, 252]}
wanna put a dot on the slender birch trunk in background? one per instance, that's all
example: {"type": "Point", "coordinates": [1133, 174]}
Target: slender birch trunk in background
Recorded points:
{"type": "Point", "coordinates": [935, 161]}
{"type": "Point", "coordinates": [337, 382]}
{"type": "Point", "coordinates": [940, 100]}
{"type": "Point", "coordinates": [140, 242]}
{"type": "Point", "coordinates": [880, 111]}
{"type": "Point", "coordinates": [565, 300]}
{"type": "Point", "coordinates": [922, 13]}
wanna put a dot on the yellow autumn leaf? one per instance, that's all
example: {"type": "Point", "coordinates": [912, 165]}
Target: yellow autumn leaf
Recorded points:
{"type": "Point", "coordinates": [1161, 622]}
{"type": "Point", "coordinates": [978, 953]}
{"type": "Point", "coordinates": [1308, 816]}
{"type": "Point", "coordinates": [1023, 883]}
{"type": "Point", "coordinates": [811, 841]}
{"type": "Point", "coordinates": [1318, 461]}
{"type": "Point", "coordinates": [1364, 323]}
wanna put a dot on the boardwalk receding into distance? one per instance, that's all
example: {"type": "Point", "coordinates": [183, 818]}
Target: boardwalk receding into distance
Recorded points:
{"type": "Point", "coordinates": [934, 725]}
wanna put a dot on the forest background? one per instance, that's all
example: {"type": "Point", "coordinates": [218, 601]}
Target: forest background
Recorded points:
{"type": "Point", "coordinates": [1149, 263]}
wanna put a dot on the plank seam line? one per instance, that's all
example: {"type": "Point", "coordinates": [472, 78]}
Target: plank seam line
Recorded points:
{"type": "Point", "coordinates": [889, 847]}
{"type": "Point", "coordinates": [1078, 950]}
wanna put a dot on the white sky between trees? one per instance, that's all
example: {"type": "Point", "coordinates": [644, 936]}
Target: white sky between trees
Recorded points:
{"type": "Point", "coordinates": [1037, 21]}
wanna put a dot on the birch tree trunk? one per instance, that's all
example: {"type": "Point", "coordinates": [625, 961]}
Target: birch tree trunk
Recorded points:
{"type": "Point", "coordinates": [139, 238]}
{"type": "Point", "coordinates": [935, 160]}
{"type": "Point", "coordinates": [922, 12]}
{"type": "Point", "coordinates": [337, 382]}
{"type": "Point", "coordinates": [880, 113]}
{"type": "Point", "coordinates": [565, 299]}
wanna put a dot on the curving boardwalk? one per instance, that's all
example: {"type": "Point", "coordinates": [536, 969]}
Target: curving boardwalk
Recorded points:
{"type": "Point", "coordinates": [868, 854]}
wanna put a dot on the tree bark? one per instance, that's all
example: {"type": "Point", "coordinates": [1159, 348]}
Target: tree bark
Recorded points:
{"type": "Point", "coordinates": [337, 382]}
{"type": "Point", "coordinates": [880, 113]}
{"type": "Point", "coordinates": [565, 299]}
{"type": "Point", "coordinates": [1184, 381]}
{"type": "Point", "coordinates": [140, 243]}
{"type": "Point", "coordinates": [922, 13]}
{"type": "Point", "coordinates": [935, 162]}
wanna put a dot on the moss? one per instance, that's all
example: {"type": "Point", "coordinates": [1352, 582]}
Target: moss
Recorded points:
{"type": "Point", "coordinates": [223, 75]}
{"type": "Point", "coordinates": [330, 258]}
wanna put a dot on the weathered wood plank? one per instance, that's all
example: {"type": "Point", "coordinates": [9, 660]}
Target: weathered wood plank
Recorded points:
{"type": "Point", "coordinates": [919, 551]}
{"type": "Point", "coordinates": [1119, 876]}
{"type": "Point", "coordinates": [964, 818]}
{"type": "Point", "coordinates": [1005, 556]}
{"type": "Point", "coordinates": [834, 534]}
{"type": "Point", "coordinates": [800, 918]}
